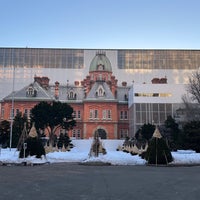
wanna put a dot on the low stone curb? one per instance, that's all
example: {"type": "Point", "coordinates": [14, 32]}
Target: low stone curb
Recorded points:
{"type": "Point", "coordinates": [23, 164]}
{"type": "Point", "coordinates": [95, 163]}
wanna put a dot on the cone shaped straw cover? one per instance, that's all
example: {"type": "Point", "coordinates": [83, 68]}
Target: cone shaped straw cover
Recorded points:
{"type": "Point", "coordinates": [33, 132]}
{"type": "Point", "coordinates": [156, 133]}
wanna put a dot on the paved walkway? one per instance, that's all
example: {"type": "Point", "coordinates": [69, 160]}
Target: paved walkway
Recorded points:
{"type": "Point", "coordinates": [79, 182]}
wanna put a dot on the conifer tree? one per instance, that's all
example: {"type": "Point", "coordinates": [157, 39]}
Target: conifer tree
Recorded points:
{"type": "Point", "coordinates": [33, 145]}
{"type": "Point", "coordinates": [158, 152]}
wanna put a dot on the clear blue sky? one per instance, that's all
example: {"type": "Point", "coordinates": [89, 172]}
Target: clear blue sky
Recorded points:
{"type": "Point", "coordinates": [106, 24]}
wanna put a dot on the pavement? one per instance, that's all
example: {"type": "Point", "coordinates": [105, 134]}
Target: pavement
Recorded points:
{"type": "Point", "coordinates": [72, 181]}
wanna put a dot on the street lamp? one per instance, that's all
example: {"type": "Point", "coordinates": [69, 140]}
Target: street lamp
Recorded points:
{"type": "Point", "coordinates": [12, 107]}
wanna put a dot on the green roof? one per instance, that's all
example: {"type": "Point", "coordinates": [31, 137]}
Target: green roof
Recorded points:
{"type": "Point", "coordinates": [100, 60]}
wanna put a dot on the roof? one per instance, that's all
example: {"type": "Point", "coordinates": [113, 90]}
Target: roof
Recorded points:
{"type": "Point", "coordinates": [100, 91]}
{"type": "Point", "coordinates": [122, 94]}
{"type": "Point", "coordinates": [39, 93]}
{"type": "Point", "coordinates": [64, 93]}
{"type": "Point", "coordinates": [100, 60]}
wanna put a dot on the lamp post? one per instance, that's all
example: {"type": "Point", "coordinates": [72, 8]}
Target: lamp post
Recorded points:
{"type": "Point", "coordinates": [12, 107]}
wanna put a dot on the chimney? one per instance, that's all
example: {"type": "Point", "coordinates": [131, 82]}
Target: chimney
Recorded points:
{"type": "Point", "coordinates": [43, 81]}
{"type": "Point", "coordinates": [37, 79]}
{"type": "Point", "coordinates": [56, 93]}
{"type": "Point", "coordinates": [76, 83]}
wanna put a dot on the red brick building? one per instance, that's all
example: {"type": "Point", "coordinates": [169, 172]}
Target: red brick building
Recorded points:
{"type": "Point", "coordinates": [98, 102]}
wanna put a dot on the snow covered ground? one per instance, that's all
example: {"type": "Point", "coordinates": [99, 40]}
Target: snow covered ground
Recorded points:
{"type": "Point", "coordinates": [80, 153]}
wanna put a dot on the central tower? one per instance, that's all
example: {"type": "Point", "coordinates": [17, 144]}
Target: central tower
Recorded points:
{"type": "Point", "coordinates": [100, 102]}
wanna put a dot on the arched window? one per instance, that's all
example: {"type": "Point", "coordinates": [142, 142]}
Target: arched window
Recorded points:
{"type": "Point", "coordinates": [31, 92]}
{"type": "Point", "coordinates": [72, 95]}
{"type": "Point", "coordinates": [100, 91]}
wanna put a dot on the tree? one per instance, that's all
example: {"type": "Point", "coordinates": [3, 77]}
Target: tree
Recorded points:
{"type": "Point", "coordinates": [18, 126]}
{"type": "Point", "coordinates": [158, 152]}
{"type": "Point", "coordinates": [52, 116]}
{"type": "Point", "coordinates": [146, 131]}
{"type": "Point", "coordinates": [191, 132]}
{"type": "Point", "coordinates": [33, 145]}
{"type": "Point", "coordinates": [191, 110]}
{"type": "Point", "coordinates": [4, 133]}
{"type": "Point", "coordinates": [63, 140]}
{"type": "Point", "coordinates": [194, 86]}
{"type": "Point", "coordinates": [172, 133]}
{"type": "Point", "coordinates": [192, 99]}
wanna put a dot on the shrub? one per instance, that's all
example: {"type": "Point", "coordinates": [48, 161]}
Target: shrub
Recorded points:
{"type": "Point", "coordinates": [34, 147]}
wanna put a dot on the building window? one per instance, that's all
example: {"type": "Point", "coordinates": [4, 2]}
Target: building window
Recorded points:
{"type": "Point", "coordinates": [106, 114]}
{"type": "Point", "coordinates": [121, 114]}
{"type": "Point", "coordinates": [17, 111]}
{"type": "Point", "coordinates": [94, 114]}
{"type": "Point", "coordinates": [124, 115]}
{"type": "Point", "coordinates": [31, 92]}
{"type": "Point", "coordinates": [26, 113]}
{"type": "Point", "coordinates": [123, 133]}
{"type": "Point", "coordinates": [2, 113]}
{"type": "Point", "coordinates": [12, 113]}
{"type": "Point", "coordinates": [109, 114]}
{"type": "Point", "coordinates": [152, 113]}
{"type": "Point", "coordinates": [91, 114]}
{"type": "Point", "coordinates": [77, 114]}
{"type": "Point", "coordinates": [76, 133]}
{"type": "Point", "coordinates": [74, 114]}
{"type": "Point", "coordinates": [72, 95]}
{"type": "Point", "coordinates": [100, 92]}
{"type": "Point", "coordinates": [153, 94]}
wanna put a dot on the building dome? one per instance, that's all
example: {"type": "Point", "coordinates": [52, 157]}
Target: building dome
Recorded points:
{"type": "Point", "coordinates": [100, 63]}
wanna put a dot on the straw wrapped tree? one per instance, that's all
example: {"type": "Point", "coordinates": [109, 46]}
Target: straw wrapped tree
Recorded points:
{"type": "Point", "coordinates": [32, 145]}
{"type": "Point", "coordinates": [158, 152]}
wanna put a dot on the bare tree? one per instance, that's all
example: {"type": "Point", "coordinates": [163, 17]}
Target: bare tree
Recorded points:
{"type": "Point", "coordinates": [194, 86]}
{"type": "Point", "coordinates": [192, 99]}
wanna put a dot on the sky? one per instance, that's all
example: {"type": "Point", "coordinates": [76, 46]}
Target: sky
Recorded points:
{"type": "Point", "coordinates": [100, 24]}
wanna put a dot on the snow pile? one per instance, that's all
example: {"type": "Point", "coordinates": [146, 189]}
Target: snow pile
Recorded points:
{"type": "Point", "coordinates": [80, 153]}
{"type": "Point", "coordinates": [9, 156]}
{"type": "Point", "coordinates": [85, 145]}
{"type": "Point", "coordinates": [186, 157]}
{"type": "Point", "coordinates": [117, 158]}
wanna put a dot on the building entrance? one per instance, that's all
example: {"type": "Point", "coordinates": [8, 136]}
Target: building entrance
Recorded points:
{"type": "Point", "coordinates": [102, 133]}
